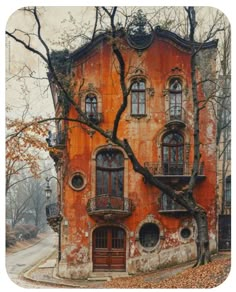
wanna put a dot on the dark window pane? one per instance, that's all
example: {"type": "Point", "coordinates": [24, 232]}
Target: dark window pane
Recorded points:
{"type": "Point", "coordinates": [77, 181]}
{"type": "Point", "coordinates": [149, 235]}
{"type": "Point", "coordinates": [101, 238]}
{"type": "Point", "coordinates": [110, 172]}
{"type": "Point", "coordinates": [185, 233]}
{"type": "Point", "coordinates": [228, 191]}
{"type": "Point", "coordinates": [118, 236]}
{"type": "Point", "coordinates": [173, 153]}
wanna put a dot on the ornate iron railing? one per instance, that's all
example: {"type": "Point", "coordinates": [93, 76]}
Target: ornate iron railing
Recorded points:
{"type": "Point", "coordinates": [95, 117]}
{"type": "Point", "coordinates": [175, 113]}
{"type": "Point", "coordinates": [111, 203]}
{"type": "Point", "coordinates": [56, 139]}
{"type": "Point", "coordinates": [170, 168]}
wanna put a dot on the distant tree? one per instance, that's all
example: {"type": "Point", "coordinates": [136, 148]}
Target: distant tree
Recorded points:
{"type": "Point", "coordinates": [17, 205]}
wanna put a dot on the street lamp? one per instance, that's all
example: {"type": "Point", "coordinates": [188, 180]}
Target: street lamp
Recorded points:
{"type": "Point", "coordinates": [53, 211]}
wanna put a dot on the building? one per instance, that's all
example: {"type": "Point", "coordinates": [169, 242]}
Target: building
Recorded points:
{"type": "Point", "coordinates": [112, 220]}
{"type": "Point", "coordinates": [224, 165]}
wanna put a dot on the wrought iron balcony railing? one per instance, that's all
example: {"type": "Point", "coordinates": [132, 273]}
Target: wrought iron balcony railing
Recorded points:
{"type": "Point", "coordinates": [105, 204]}
{"type": "Point", "coordinates": [56, 139]}
{"type": "Point", "coordinates": [171, 168]}
{"type": "Point", "coordinates": [95, 117]}
{"type": "Point", "coordinates": [176, 115]}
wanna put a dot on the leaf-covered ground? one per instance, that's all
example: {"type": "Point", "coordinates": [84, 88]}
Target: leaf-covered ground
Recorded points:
{"type": "Point", "coordinates": [207, 276]}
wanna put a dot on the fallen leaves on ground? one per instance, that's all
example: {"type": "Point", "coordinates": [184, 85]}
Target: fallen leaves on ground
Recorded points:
{"type": "Point", "coordinates": [206, 276]}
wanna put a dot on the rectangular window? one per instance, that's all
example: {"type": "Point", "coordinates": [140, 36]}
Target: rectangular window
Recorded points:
{"type": "Point", "coordinates": [138, 98]}
{"type": "Point", "coordinates": [228, 191]}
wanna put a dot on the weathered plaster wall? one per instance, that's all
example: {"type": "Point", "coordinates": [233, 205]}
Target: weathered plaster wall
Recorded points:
{"type": "Point", "coordinates": [97, 71]}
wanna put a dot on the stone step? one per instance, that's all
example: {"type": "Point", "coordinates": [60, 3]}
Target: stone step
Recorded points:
{"type": "Point", "coordinates": [106, 276]}
{"type": "Point", "coordinates": [99, 279]}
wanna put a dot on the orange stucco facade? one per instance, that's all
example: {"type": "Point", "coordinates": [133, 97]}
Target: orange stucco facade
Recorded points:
{"type": "Point", "coordinates": [94, 71]}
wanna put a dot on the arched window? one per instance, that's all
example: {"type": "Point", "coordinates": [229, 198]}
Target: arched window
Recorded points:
{"type": "Point", "coordinates": [149, 235]}
{"type": "Point", "coordinates": [173, 154]}
{"type": "Point", "coordinates": [110, 173]}
{"type": "Point", "coordinates": [175, 91]}
{"type": "Point", "coordinates": [91, 105]}
{"type": "Point", "coordinates": [138, 98]}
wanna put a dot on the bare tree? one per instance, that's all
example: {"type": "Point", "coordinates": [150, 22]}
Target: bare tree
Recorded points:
{"type": "Point", "coordinates": [184, 197]}
{"type": "Point", "coordinates": [17, 204]}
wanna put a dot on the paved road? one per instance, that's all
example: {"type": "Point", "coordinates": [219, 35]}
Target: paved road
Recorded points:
{"type": "Point", "coordinates": [22, 261]}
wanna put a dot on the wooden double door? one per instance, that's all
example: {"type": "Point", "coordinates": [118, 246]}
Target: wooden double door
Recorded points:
{"type": "Point", "coordinates": [109, 253]}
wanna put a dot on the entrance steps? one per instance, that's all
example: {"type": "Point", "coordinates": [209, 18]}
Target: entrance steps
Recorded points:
{"type": "Point", "coordinates": [106, 276]}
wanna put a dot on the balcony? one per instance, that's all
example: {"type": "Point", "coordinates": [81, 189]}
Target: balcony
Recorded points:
{"type": "Point", "coordinates": [174, 172]}
{"type": "Point", "coordinates": [54, 216]}
{"type": "Point", "coordinates": [56, 140]}
{"type": "Point", "coordinates": [95, 117]}
{"type": "Point", "coordinates": [109, 207]}
{"type": "Point", "coordinates": [175, 117]}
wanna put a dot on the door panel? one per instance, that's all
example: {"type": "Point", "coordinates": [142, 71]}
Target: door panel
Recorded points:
{"type": "Point", "coordinates": [109, 249]}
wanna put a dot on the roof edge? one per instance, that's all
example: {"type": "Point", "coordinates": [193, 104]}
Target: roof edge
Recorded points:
{"type": "Point", "coordinates": [161, 33]}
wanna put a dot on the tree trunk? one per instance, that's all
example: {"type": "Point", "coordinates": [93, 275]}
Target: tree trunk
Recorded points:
{"type": "Point", "coordinates": [202, 241]}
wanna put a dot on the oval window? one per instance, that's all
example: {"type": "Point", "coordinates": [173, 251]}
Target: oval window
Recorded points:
{"type": "Point", "coordinates": [78, 181]}
{"type": "Point", "coordinates": [185, 233]}
{"type": "Point", "coordinates": [149, 235]}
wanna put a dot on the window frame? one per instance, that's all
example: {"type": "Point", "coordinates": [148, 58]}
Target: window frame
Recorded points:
{"type": "Point", "coordinates": [227, 197]}
{"type": "Point", "coordinates": [90, 104]}
{"type": "Point", "coordinates": [168, 204]}
{"type": "Point", "coordinates": [141, 236]}
{"type": "Point", "coordinates": [170, 148]}
{"type": "Point", "coordinates": [110, 175]}
{"type": "Point", "coordinates": [174, 105]}
{"type": "Point", "coordinates": [138, 92]}
{"type": "Point", "coordinates": [83, 176]}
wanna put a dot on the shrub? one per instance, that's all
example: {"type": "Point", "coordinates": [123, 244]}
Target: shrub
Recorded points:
{"type": "Point", "coordinates": [25, 231]}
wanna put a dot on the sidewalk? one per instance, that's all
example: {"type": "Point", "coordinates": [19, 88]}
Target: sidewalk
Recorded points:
{"type": "Point", "coordinates": [45, 273]}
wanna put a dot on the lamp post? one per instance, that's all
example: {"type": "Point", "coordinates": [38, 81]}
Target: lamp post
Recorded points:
{"type": "Point", "coordinates": [48, 193]}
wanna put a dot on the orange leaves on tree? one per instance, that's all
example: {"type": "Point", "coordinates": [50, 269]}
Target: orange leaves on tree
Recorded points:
{"type": "Point", "coordinates": [24, 142]}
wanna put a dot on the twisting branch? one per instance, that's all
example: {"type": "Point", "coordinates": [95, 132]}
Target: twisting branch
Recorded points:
{"type": "Point", "coordinates": [121, 62]}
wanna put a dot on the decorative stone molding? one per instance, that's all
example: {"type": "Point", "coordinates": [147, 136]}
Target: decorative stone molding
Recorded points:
{"type": "Point", "coordinates": [150, 219]}
{"type": "Point", "coordinates": [81, 181]}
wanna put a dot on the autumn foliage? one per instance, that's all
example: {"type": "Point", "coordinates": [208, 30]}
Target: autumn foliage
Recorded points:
{"type": "Point", "coordinates": [24, 141]}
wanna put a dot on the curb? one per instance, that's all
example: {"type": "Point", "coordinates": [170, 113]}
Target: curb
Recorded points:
{"type": "Point", "coordinates": [26, 276]}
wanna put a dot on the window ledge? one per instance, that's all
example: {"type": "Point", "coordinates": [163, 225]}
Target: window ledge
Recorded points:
{"type": "Point", "coordinates": [130, 117]}
{"type": "Point", "coordinates": [138, 116]}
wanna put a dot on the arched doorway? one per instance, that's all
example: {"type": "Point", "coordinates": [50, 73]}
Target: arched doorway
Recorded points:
{"type": "Point", "coordinates": [109, 244]}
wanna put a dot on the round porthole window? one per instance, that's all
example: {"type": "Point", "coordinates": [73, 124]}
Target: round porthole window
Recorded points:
{"type": "Point", "coordinates": [185, 233]}
{"type": "Point", "coordinates": [78, 181]}
{"type": "Point", "coordinates": [149, 235]}
{"type": "Point", "coordinates": [139, 31]}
